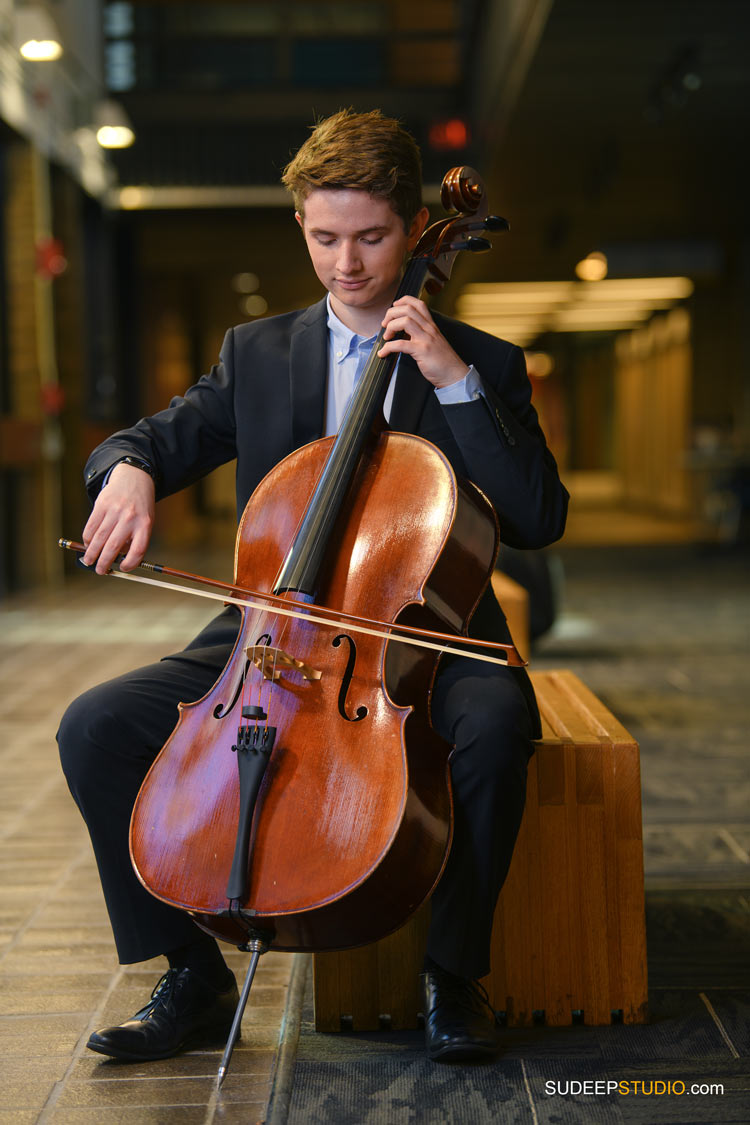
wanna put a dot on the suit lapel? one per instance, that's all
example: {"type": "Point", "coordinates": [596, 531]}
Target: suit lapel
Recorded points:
{"type": "Point", "coordinates": [308, 370]}
{"type": "Point", "coordinates": [409, 397]}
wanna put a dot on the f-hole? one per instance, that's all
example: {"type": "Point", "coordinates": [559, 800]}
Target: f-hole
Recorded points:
{"type": "Point", "coordinates": [346, 679]}
{"type": "Point", "coordinates": [220, 710]}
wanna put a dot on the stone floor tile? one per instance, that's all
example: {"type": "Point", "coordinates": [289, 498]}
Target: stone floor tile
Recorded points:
{"type": "Point", "coordinates": [147, 1115]}
{"type": "Point", "coordinates": [30, 1092]}
{"type": "Point", "coordinates": [49, 1001]}
{"type": "Point", "coordinates": [29, 983]}
{"type": "Point", "coordinates": [31, 1068]}
{"type": "Point", "coordinates": [42, 934]}
{"type": "Point", "coordinates": [238, 1113]}
{"type": "Point", "coordinates": [44, 1034]}
{"type": "Point", "coordinates": [151, 1092]}
{"type": "Point", "coordinates": [71, 959]}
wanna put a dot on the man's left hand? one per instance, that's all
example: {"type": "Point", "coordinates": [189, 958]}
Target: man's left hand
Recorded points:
{"type": "Point", "coordinates": [426, 345]}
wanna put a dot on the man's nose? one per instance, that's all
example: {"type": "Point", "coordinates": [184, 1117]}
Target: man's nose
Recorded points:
{"type": "Point", "coordinates": [348, 260]}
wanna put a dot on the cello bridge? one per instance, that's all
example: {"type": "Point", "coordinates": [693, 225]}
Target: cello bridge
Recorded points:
{"type": "Point", "coordinates": [273, 661]}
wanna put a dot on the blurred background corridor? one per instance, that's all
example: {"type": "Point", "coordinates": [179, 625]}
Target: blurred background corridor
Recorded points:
{"type": "Point", "coordinates": [613, 143]}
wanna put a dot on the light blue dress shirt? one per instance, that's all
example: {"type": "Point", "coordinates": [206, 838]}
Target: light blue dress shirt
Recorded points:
{"type": "Point", "coordinates": [347, 358]}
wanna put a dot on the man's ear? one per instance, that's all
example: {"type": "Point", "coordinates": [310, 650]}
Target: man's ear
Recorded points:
{"type": "Point", "coordinates": [300, 220]}
{"type": "Point", "coordinates": [418, 224]}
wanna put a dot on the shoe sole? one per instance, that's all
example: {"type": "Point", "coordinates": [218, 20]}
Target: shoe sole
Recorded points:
{"type": "Point", "coordinates": [209, 1038]}
{"type": "Point", "coordinates": [466, 1052]}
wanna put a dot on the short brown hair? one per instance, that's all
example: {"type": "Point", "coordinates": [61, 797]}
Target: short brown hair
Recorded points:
{"type": "Point", "coordinates": [366, 151]}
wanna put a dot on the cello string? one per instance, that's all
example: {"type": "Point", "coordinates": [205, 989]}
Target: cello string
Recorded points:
{"type": "Point", "coordinates": [319, 620]}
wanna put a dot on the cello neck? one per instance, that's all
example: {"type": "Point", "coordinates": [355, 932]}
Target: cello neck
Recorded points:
{"type": "Point", "coordinates": [301, 567]}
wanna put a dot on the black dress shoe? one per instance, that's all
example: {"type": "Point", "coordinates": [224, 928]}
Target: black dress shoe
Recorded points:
{"type": "Point", "coordinates": [183, 1012]}
{"type": "Point", "coordinates": [459, 1022]}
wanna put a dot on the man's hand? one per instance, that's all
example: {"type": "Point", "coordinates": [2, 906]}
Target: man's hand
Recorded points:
{"type": "Point", "coordinates": [121, 521]}
{"type": "Point", "coordinates": [427, 346]}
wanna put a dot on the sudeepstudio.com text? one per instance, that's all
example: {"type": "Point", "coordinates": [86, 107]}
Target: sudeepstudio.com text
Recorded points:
{"type": "Point", "coordinates": [656, 1088]}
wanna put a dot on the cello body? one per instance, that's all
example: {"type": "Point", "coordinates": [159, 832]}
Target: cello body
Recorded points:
{"type": "Point", "coordinates": [352, 822]}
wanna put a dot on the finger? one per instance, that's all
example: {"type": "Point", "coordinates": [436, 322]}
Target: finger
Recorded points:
{"type": "Point", "coordinates": [112, 534]}
{"type": "Point", "coordinates": [95, 535]}
{"type": "Point", "coordinates": [115, 546]}
{"type": "Point", "coordinates": [407, 324]}
{"type": "Point", "coordinates": [408, 301]}
{"type": "Point", "coordinates": [415, 310]}
{"type": "Point", "coordinates": [392, 330]}
{"type": "Point", "coordinates": [408, 307]}
{"type": "Point", "coordinates": [401, 342]}
{"type": "Point", "coordinates": [96, 517]}
{"type": "Point", "coordinates": [137, 551]}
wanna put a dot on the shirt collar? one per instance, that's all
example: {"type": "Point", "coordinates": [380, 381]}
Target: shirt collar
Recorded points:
{"type": "Point", "coordinates": [344, 340]}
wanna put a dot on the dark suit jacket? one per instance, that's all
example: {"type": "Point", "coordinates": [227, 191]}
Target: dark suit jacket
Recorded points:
{"type": "Point", "coordinates": [266, 397]}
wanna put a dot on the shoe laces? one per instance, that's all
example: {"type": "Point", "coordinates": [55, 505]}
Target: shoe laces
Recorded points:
{"type": "Point", "coordinates": [461, 986]}
{"type": "Point", "coordinates": [161, 995]}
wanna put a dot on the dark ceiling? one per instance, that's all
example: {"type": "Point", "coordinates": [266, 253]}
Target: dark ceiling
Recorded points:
{"type": "Point", "coordinates": [631, 130]}
{"type": "Point", "coordinates": [601, 123]}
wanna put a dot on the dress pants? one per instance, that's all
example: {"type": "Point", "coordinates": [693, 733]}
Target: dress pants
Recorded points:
{"type": "Point", "coordinates": [110, 735]}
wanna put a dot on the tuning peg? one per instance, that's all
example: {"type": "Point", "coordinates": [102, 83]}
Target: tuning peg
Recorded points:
{"type": "Point", "coordinates": [475, 245]}
{"type": "Point", "coordinates": [492, 223]}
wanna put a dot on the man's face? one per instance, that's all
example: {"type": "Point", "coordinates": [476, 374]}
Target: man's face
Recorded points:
{"type": "Point", "coordinates": [357, 244]}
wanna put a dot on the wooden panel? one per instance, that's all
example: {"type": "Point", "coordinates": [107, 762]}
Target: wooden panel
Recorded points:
{"type": "Point", "coordinates": [652, 413]}
{"type": "Point", "coordinates": [363, 989]}
{"type": "Point", "coordinates": [550, 775]}
{"type": "Point", "coordinates": [399, 966]}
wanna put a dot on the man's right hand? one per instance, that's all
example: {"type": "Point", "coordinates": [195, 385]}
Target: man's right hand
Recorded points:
{"type": "Point", "coordinates": [121, 521]}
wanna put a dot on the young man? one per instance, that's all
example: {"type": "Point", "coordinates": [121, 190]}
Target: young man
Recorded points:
{"type": "Point", "coordinates": [280, 383]}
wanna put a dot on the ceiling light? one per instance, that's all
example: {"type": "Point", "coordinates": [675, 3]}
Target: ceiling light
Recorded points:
{"type": "Point", "coordinates": [445, 136]}
{"type": "Point", "coordinates": [132, 198]}
{"type": "Point", "coordinates": [539, 364]}
{"type": "Point", "coordinates": [522, 311]}
{"type": "Point", "coordinates": [593, 267]}
{"type": "Point", "coordinates": [36, 35]}
{"type": "Point", "coordinates": [112, 124]}
{"type": "Point", "coordinates": [245, 282]}
{"type": "Point", "coordinates": [255, 305]}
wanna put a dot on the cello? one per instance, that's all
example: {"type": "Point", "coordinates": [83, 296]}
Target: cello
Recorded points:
{"type": "Point", "coordinates": [304, 802]}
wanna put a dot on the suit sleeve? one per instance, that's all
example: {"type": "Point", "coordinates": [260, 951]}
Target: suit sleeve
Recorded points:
{"type": "Point", "coordinates": [505, 452]}
{"type": "Point", "coordinates": [195, 433]}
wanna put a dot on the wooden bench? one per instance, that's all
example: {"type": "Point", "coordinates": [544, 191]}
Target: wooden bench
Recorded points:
{"type": "Point", "coordinates": [569, 941]}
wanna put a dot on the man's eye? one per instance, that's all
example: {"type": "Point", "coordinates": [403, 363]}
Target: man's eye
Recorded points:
{"type": "Point", "coordinates": [326, 241]}
{"type": "Point", "coordinates": [372, 241]}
